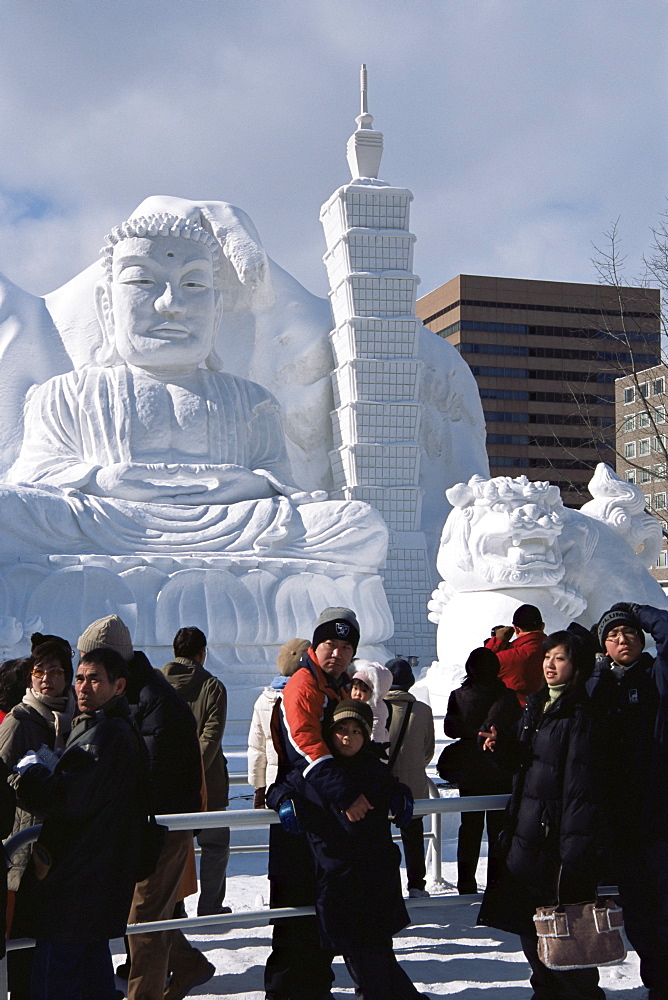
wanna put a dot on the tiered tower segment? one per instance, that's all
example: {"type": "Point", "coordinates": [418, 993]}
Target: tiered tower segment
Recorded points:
{"type": "Point", "coordinates": [376, 458]}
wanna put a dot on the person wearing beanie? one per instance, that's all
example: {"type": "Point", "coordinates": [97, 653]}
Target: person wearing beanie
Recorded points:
{"type": "Point", "coordinates": [207, 699]}
{"type": "Point", "coordinates": [169, 731]}
{"type": "Point", "coordinates": [629, 692]}
{"type": "Point", "coordinates": [371, 684]}
{"type": "Point", "coordinates": [521, 657]}
{"type": "Point", "coordinates": [412, 744]}
{"type": "Point", "coordinates": [109, 632]}
{"type": "Point", "coordinates": [554, 825]}
{"type": "Point", "coordinates": [403, 678]}
{"type": "Point", "coordinates": [298, 968]}
{"type": "Point", "coordinates": [481, 701]}
{"type": "Point", "coordinates": [262, 756]}
{"type": "Point", "coordinates": [42, 718]}
{"type": "Point", "coordinates": [76, 892]}
{"type": "Point", "coordinates": [359, 905]}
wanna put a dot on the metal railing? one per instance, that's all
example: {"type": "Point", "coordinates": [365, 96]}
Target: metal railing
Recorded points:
{"type": "Point", "coordinates": [258, 819]}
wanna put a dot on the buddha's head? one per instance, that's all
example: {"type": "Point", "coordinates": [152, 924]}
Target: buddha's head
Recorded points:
{"type": "Point", "coordinates": [160, 303]}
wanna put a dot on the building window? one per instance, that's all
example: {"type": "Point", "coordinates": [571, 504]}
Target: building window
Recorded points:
{"type": "Point", "coordinates": [630, 449]}
{"type": "Point", "coordinates": [658, 386]}
{"type": "Point", "coordinates": [663, 558]}
{"type": "Point", "coordinates": [643, 390]}
{"type": "Point", "coordinates": [658, 443]}
{"type": "Point", "coordinates": [643, 446]}
{"type": "Point", "coordinates": [659, 501]}
{"type": "Point", "coordinates": [630, 475]}
{"type": "Point", "coordinates": [643, 419]}
{"type": "Point", "coordinates": [629, 395]}
{"type": "Point", "coordinates": [660, 414]}
{"type": "Point", "coordinates": [645, 476]}
{"type": "Point", "coordinates": [648, 503]}
{"type": "Point", "coordinates": [630, 423]}
{"type": "Point", "coordinates": [660, 471]}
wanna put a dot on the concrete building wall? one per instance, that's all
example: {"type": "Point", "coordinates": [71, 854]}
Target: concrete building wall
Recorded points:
{"type": "Point", "coordinates": [545, 356]}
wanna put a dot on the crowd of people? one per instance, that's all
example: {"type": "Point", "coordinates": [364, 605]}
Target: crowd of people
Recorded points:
{"type": "Point", "coordinates": [574, 725]}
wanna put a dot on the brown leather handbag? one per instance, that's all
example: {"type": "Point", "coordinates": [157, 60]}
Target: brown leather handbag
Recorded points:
{"type": "Point", "coordinates": [580, 935]}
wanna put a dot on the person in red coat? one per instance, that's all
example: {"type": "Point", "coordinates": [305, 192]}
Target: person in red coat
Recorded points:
{"type": "Point", "coordinates": [520, 660]}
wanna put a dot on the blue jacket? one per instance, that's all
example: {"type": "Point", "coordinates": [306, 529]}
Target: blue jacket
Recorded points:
{"type": "Point", "coordinates": [358, 899]}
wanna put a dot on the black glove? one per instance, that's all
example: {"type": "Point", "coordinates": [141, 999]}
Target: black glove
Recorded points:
{"type": "Point", "coordinates": [401, 809]}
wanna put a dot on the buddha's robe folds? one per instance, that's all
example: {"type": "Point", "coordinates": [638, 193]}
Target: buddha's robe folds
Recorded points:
{"type": "Point", "coordinates": [81, 423]}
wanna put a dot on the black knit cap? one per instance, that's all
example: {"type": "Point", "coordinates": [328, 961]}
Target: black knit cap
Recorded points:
{"type": "Point", "coordinates": [337, 623]}
{"type": "Point", "coordinates": [402, 673]}
{"type": "Point", "coordinates": [528, 618]}
{"type": "Point", "coordinates": [619, 614]}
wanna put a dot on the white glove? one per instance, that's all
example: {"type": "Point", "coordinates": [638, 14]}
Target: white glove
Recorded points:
{"type": "Point", "coordinates": [26, 762]}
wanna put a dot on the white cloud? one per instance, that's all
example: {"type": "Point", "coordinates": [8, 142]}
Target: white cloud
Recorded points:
{"type": "Point", "coordinates": [523, 129]}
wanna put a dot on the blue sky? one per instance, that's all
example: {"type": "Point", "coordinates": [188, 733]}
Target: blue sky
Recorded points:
{"type": "Point", "coordinates": [524, 128]}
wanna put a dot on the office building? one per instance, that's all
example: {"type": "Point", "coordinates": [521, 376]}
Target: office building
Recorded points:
{"type": "Point", "coordinates": [545, 356]}
{"type": "Point", "coordinates": [642, 442]}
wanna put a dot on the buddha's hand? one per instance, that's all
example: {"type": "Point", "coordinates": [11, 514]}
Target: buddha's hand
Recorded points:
{"type": "Point", "coordinates": [140, 481]}
{"type": "Point", "coordinates": [301, 496]}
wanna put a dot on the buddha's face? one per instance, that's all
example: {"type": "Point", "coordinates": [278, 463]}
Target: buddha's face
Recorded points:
{"type": "Point", "coordinates": [161, 307]}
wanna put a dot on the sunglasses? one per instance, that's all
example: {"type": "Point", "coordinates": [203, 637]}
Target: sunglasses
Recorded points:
{"type": "Point", "coordinates": [46, 671]}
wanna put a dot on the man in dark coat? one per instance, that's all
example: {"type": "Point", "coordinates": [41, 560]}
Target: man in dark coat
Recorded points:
{"type": "Point", "coordinates": [207, 698]}
{"type": "Point", "coordinates": [168, 729]}
{"type": "Point", "coordinates": [629, 688]}
{"type": "Point", "coordinates": [78, 887]}
{"type": "Point", "coordinates": [482, 701]}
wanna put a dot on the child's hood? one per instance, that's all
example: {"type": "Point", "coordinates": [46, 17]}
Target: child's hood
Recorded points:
{"type": "Point", "coordinates": [376, 676]}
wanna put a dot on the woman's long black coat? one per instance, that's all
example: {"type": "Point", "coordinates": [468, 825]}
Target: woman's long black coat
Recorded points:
{"type": "Point", "coordinates": [553, 838]}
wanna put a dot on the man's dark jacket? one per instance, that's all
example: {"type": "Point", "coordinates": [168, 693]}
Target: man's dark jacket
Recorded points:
{"type": "Point", "coordinates": [169, 730]}
{"type": "Point", "coordinates": [635, 710]}
{"type": "Point", "coordinates": [94, 805]}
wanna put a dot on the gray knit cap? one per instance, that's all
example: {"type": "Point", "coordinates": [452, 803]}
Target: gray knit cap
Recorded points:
{"type": "Point", "coordinates": [337, 623]}
{"type": "Point", "coordinates": [109, 632]}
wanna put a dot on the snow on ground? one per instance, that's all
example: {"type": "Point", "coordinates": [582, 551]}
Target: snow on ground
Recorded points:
{"type": "Point", "coordinates": [444, 953]}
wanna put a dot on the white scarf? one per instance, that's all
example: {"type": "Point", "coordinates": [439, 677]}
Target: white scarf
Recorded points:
{"type": "Point", "coordinates": [58, 712]}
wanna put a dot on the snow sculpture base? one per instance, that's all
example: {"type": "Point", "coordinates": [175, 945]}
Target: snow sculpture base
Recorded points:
{"type": "Point", "coordinates": [246, 606]}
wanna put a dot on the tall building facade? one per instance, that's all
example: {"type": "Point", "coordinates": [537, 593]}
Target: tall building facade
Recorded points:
{"type": "Point", "coordinates": [642, 445]}
{"type": "Point", "coordinates": [545, 356]}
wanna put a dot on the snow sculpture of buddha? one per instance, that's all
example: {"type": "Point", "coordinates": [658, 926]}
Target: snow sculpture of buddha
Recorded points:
{"type": "Point", "coordinates": [154, 449]}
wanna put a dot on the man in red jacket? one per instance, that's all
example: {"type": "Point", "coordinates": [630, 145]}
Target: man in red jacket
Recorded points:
{"type": "Point", "coordinates": [521, 660]}
{"type": "Point", "coordinates": [298, 968]}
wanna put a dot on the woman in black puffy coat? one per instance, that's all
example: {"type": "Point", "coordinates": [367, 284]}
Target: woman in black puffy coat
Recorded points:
{"type": "Point", "coordinates": [553, 836]}
{"type": "Point", "coordinates": [482, 701]}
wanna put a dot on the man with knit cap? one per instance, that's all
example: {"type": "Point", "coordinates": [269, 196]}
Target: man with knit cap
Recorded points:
{"type": "Point", "coordinates": [629, 688]}
{"type": "Point", "coordinates": [169, 731]}
{"type": "Point", "coordinates": [519, 648]}
{"type": "Point", "coordinates": [298, 968]}
{"type": "Point", "coordinates": [412, 745]}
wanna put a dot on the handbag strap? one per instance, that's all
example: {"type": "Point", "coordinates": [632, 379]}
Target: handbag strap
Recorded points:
{"type": "Point", "coordinates": [400, 738]}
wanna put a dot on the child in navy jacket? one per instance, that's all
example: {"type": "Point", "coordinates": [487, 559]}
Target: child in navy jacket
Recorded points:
{"type": "Point", "coordinates": [359, 904]}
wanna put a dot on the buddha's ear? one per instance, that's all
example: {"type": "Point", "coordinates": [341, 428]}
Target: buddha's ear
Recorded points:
{"type": "Point", "coordinates": [106, 354]}
{"type": "Point", "coordinates": [218, 313]}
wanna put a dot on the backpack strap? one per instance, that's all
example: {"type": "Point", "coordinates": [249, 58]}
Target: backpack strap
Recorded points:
{"type": "Point", "coordinates": [400, 738]}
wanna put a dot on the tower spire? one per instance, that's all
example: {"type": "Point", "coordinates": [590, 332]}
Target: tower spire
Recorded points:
{"type": "Point", "coordinates": [365, 146]}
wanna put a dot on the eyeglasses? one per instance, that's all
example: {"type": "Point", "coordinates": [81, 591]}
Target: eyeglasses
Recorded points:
{"type": "Point", "coordinates": [46, 671]}
{"type": "Point", "coordinates": [624, 633]}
